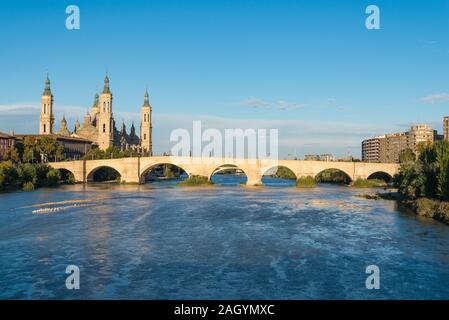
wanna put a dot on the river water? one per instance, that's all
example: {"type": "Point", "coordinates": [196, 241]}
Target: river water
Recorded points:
{"type": "Point", "coordinates": [160, 241]}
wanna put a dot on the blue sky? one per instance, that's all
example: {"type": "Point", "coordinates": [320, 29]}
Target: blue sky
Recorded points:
{"type": "Point", "coordinates": [309, 68]}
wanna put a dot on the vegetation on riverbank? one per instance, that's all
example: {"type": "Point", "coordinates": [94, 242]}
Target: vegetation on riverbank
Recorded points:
{"type": "Point", "coordinates": [194, 180]}
{"type": "Point", "coordinates": [428, 175]}
{"type": "Point", "coordinates": [430, 208]}
{"type": "Point", "coordinates": [29, 176]}
{"type": "Point", "coordinates": [369, 183]}
{"type": "Point", "coordinates": [20, 168]}
{"type": "Point", "coordinates": [305, 182]}
{"type": "Point", "coordinates": [423, 182]}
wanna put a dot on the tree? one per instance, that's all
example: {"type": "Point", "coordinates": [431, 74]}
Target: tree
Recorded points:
{"type": "Point", "coordinates": [12, 155]}
{"type": "Point", "coordinates": [50, 148]}
{"type": "Point", "coordinates": [36, 148]}
{"type": "Point", "coordinates": [53, 177]}
{"type": "Point", "coordinates": [94, 153]}
{"type": "Point", "coordinates": [112, 152]}
{"type": "Point", "coordinates": [29, 149]}
{"type": "Point", "coordinates": [428, 176]}
{"type": "Point", "coordinates": [407, 155]}
{"type": "Point", "coordinates": [168, 172]}
{"type": "Point", "coordinates": [442, 160]}
{"type": "Point", "coordinates": [8, 176]}
{"type": "Point", "coordinates": [27, 173]}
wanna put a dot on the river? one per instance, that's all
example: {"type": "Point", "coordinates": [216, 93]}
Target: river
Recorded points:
{"type": "Point", "coordinates": [227, 241]}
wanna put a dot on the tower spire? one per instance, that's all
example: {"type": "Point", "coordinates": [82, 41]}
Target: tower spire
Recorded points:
{"type": "Point", "coordinates": [106, 84]}
{"type": "Point", "coordinates": [146, 100]}
{"type": "Point", "coordinates": [47, 90]}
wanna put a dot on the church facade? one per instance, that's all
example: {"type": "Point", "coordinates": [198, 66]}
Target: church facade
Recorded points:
{"type": "Point", "coordinates": [98, 124]}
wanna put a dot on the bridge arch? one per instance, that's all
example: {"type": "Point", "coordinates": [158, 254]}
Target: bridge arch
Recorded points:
{"type": "Point", "coordinates": [152, 166]}
{"type": "Point", "coordinates": [91, 175]}
{"type": "Point", "coordinates": [382, 175]}
{"type": "Point", "coordinates": [229, 167]}
{"type": "Point", "coordinates": [67, 175]}
{"type": "Point", "coordinates": [284, 171]}
{"type": "Point", "coordinates": [333, 175]}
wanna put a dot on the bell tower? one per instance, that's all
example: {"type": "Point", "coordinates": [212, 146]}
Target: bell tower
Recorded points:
{"type": "Point", "coordinates": [105, 121]}
{"type": "Point", "coordinates": [46, 120]}
{"type": "Point", "coordinates": [145, 126]}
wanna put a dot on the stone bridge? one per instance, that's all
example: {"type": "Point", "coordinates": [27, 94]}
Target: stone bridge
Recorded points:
{"type": "Point", "coordinates": [134, 169]}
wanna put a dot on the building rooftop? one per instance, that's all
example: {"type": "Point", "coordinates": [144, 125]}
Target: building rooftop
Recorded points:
{"type": "Point", "coordinates": [5, 135]}
{"type": "Point", "coordinates": [56, 136]}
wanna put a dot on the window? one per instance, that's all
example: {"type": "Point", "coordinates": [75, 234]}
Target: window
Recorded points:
{"type": "Point", "coordinates": [144, 136]}
{"type": "Point", "coordinates": [45, 128]}
{"type": "Point", "coordinates": [104, 127]}
{"type": "Point", "coordinates": [104, 106]}
{"type": "Point", "coordinates": [144, 118]}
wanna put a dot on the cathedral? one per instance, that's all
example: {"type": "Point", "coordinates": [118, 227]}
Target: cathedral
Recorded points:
{"type": "Point", "coordinates": [98, 124]}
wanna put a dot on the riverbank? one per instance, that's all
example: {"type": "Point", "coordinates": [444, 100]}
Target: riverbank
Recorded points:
{"type": "Point", "coordinates": [424, 207]}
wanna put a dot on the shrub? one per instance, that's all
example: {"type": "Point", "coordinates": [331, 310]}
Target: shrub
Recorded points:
{"type": "Point", "coordinates": [305, 182]}
{"type": "Point", "coordinates": [53, 177]}
{"type": "Point", "coordinates": [369, 183]}
{"type": "Point", "coordinates": [8, 176]}
{"type": "Point", "coordinates": [195, 181]}
{"type": "Point", "coordinates": [28, 186]}
{"type": "Point", "coordinates": [27, 173]}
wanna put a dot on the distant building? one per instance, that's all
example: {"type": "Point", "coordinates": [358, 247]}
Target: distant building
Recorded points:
{"type": "Point", "coordinates": [388, 147]}
{"type": "Point", "coordinates": [322, 157]}
{"type": "Point", "coordinates": [99, 124]}
{"type": "Point", "coordinates": [6, 141]}
{"type": "Point", "coordinates": [348, 159]}
{"type": "Point", "coordinates": [371, 149]}
{"type": "Point", "coordinates": [446, 128]}
{"type": "Point", "coordinates": [326, 157]}
{"type": "Point", "coordinates": [311, 157]}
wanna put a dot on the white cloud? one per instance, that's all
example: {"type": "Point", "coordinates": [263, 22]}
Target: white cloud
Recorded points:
{"type": "Point", "coordinates": [255, 103]}
{"type": "Point", "coordinates": [263, 104]}
{"type": "Point", "coordinates": [285, 105]}
{"type": "Point", "coordinates": [436, 98]}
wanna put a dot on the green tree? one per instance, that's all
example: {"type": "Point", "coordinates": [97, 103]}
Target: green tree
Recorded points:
{"type": "Point", "coordinates": [8, 176]}
{"type": "Point", "coordinates": [41, 174]}
{"type": "Point", "coordinates": [34, 148]}
{"type": "Point", "coordinates": [29, 150]}
{"type": "Point", "coordinates": [428, 176]}
{"type": "Point", "coordinates": [12, 155]}
{"type": "Point", "coordinates": [27, 173]}
{"type": "Point", "coordinates": [442, 160]}
{"type": "Point", "coordinates": [407, 155]}
{"type": "Point", "coordinates": [53, 177]}
{"type": "Point", "coordinates": [168, 172]}
{"type": "Point", "coordinates": [112, 153]}
{"type": "Point", "coordinates": [285, 173]}
{"type": "Point", "coordinates": [94, 153]}
{"type": "Point", "coordinates": [50, 148]}
{"type": "Point", "coordinates": [410, 180]}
